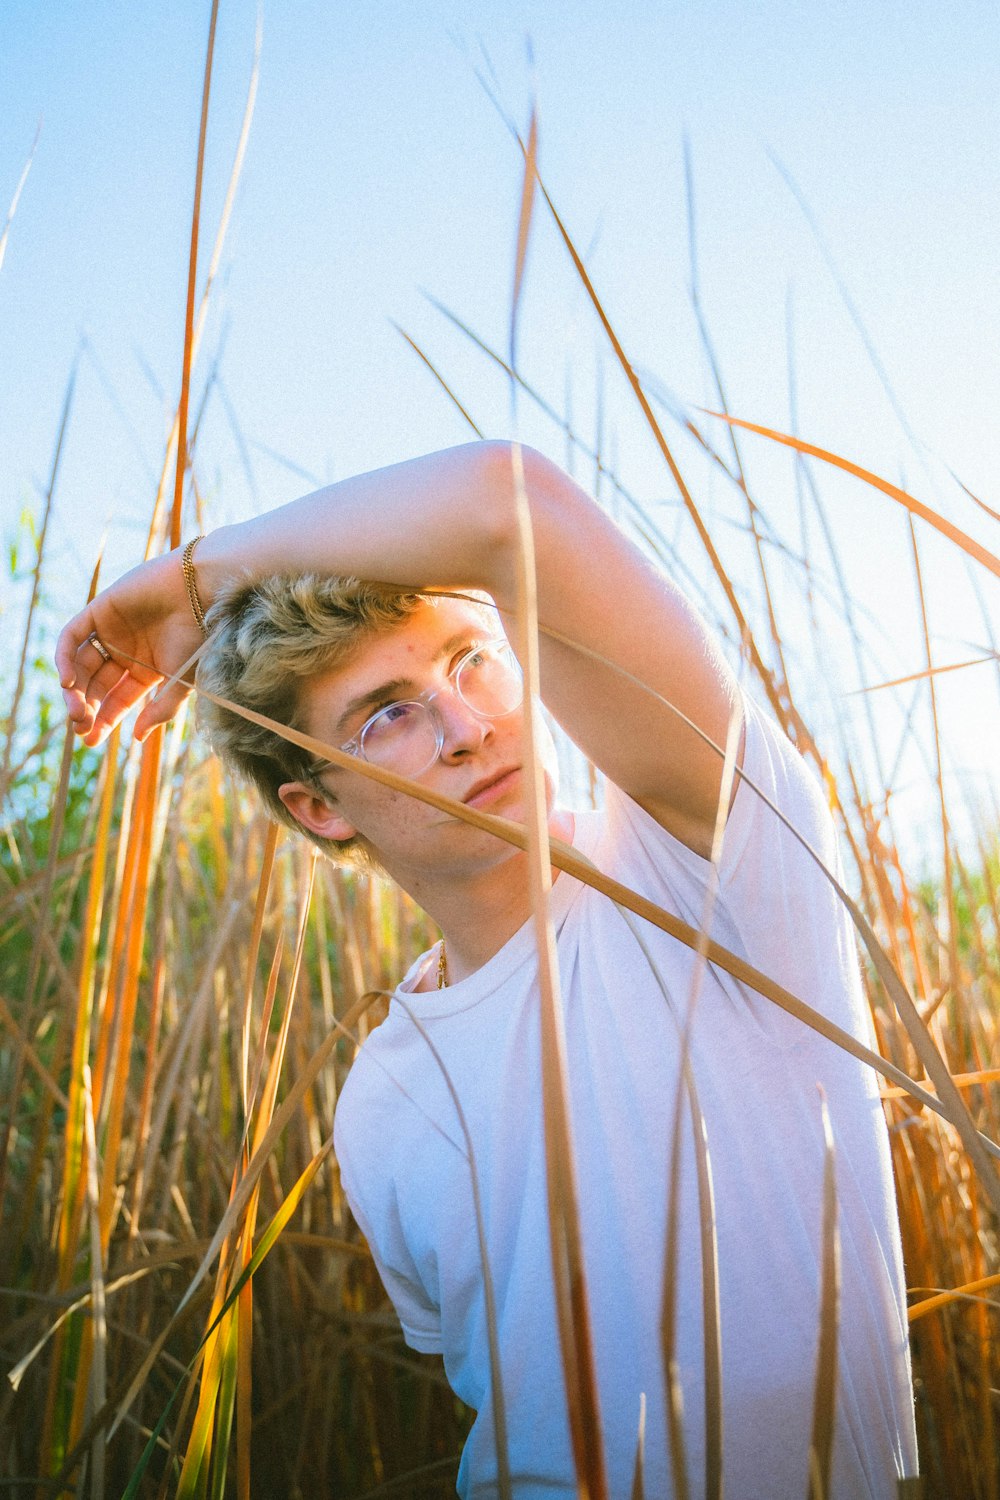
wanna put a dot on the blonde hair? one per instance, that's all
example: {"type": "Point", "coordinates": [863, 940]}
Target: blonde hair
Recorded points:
{"type": "Point", "coordinates": [267, 637]}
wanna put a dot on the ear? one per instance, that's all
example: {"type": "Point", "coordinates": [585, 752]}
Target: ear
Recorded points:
{"type": "Point", "coordinates": [318, 814]}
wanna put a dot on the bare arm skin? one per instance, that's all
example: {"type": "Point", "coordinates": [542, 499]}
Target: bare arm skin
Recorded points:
{"type": "Point", "coordinates": [448, 520]}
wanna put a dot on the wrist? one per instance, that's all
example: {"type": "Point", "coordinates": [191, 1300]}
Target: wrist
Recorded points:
{"type": "Point", "coordinates": [191, 583]}
{"type": "Point", "coordinates": [204, 572]}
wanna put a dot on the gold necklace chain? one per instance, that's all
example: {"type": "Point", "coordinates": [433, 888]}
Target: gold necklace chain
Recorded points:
{"type": "Point", "coordinates": [442, 967]}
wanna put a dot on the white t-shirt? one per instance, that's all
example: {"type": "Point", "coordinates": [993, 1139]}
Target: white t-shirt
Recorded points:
{"type": "Point", "coordinates": [407, 1172]}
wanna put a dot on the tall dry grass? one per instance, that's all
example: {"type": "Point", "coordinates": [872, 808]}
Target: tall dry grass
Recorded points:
{"type": "Point", "coordinates": [187, 1307]}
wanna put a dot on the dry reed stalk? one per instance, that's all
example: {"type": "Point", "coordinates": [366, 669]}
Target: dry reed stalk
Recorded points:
{"type": "Point", "coordinates": [824, 1406]}
{"type": "Point", "coordinates": [565, 1237]}
{"type": "Point", "coordinates": [182, 409]}
{"type": "Point", "coordinates": [968, 544]}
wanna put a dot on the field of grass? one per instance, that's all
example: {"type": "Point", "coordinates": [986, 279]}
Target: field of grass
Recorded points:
{"type": "Point", "coordinates": [186, 1305]}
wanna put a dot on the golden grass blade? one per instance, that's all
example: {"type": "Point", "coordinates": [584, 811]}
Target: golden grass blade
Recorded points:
{"type": "Point", "coordinates": [227, 1402]}
{"type": "Point", "coordinates": [136, 919]}
{"type": "Point", "coordinates": [920, 1310]}
{"type": "Point", "coordinates": [154, 1016]}
{"type": "Point", "coordinates": [193, 1481]}
{"type": "Point", "coordinates": [269, 1095]}
{"type": "Point", "coordinates": [564, 1223]}
{"type": "Point", "coordinates": [244, 1373]}
{"type": "Point", "coordinates": [711, 1312]}
{"type": "Point", "coordinates": [825, 1398]}
{"type": "Point", "coordinates": [263, 887]}
{"type": "Point", "coordinates": [89, 937]}
{"type": "Point", "coordinates": [993, 514]}
{"type": "Point", "coordinates": [523, 229]}
{"type": "Point", "coordinates": [182, 412]}
{"type": "Point", "coordinates": [235, 173]}
{"type": "Point", "coordinates": [291, 1202]}
{"type": "Point", "coordinates": [960, 1080]}
{"type": "Point", "coordinates": [927, 673]}
{"type": "Point", "coordinates": [265, 1024]}
{"type": "Point", "coordinates": [984, 557]}
{"type": "Point", "coordinates": [97, 1392]}
{"type": "Point", "coordinates": [440, 380]}
{"type": "Point", "coordinates": [220, 238]}
{"type": "Point", "coordinates": [668, 1312]}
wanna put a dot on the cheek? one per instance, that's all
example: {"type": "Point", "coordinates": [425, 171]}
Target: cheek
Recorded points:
{"type": "Point", "coordinates": [389, 815]}
{"type": "Point", "coordinates": [548, 754]}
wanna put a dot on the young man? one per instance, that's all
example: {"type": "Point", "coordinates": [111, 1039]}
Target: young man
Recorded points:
{"type": "Point", "coordinates": [427, 686]}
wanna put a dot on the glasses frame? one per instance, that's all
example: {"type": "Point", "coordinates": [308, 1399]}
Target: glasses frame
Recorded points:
{"type": "Point", "coordinates": [356, 744]}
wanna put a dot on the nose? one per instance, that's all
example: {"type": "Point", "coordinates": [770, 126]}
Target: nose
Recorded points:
{"type": "Point", "coordinates": [464, 731]}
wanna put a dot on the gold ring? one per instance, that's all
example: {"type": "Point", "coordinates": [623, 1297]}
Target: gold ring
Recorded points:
{"type": "Point", "coordinates": [94, 640]}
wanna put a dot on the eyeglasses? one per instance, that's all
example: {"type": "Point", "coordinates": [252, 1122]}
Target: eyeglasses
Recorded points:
{"type": "Point", "coordinates": [408, 736]}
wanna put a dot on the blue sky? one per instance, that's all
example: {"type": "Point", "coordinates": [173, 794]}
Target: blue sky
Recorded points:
{"type": "Point", "coordinates": [378, 170]}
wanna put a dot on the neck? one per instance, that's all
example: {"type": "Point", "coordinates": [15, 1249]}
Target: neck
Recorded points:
{"type": "Point", "coordinates": [478, 911]}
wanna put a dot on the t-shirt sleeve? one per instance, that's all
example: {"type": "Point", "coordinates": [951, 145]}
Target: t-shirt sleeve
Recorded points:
{"type": "Point", "coordinates": [774, 904]}
{"type": "Point", "coordinates": [372, 1198]}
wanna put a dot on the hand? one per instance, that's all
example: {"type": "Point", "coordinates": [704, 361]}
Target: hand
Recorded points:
{"type": "Point", "coordinates": [144, 620]}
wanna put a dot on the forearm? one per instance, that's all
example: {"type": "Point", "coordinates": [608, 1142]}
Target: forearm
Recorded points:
{"type": "Point", "coordinates": [443, 520]}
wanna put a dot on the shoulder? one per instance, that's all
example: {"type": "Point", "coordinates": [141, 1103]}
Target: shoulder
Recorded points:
{"type": "Point", "coordinates": [777, 796]}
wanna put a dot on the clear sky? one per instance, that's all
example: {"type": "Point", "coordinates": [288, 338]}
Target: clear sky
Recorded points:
{"type": "Point", "coordinates": [378, 171]}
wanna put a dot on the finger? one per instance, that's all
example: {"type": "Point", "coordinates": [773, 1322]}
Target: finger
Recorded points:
{"type": "Point", "coordinates": [160, 709]}
{"type": "Point", "coordinates": [71, 638]}
{"type": "Point", "coordinates": [96, 692]}
{"type": "Point", "coordinates": [96, 673]}
{"type": "Point", "coordinates": [113, 706]}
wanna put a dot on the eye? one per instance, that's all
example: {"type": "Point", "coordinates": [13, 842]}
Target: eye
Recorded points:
{"type": "Point", "coordinates": [473, 655]}
{"type": "Point", "coordinates": [390, 720]}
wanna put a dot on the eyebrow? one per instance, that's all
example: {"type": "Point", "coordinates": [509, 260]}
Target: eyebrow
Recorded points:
{"type": "Point", "coordinates": [403, 687]}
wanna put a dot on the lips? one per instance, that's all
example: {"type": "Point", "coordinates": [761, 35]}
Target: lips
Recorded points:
{"type": "Point", "coordinates": [491, 787]}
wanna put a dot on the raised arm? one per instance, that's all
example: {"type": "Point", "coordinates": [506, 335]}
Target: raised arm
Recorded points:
{"type": "Point", "coordinates": [448, 520]}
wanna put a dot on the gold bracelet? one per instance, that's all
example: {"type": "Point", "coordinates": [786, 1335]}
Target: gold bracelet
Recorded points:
{"type": "Point", "coordinates": [187, 567]}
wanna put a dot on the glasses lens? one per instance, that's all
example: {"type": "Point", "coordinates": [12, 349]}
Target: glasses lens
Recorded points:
{"type": "Point", "coordinates": [489, 680]}
{"type": "Point", "coordinates": [402, 738]}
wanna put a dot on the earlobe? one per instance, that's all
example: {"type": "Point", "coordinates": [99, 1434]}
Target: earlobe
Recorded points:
{"type": "Point", "coordinates": [315, 813]}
